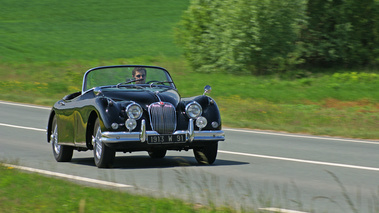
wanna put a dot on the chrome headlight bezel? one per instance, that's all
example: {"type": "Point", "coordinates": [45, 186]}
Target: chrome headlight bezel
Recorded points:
{"type": "Point", "coordinates": [134, 111]}
{"type": "Point", "coordinates": [194, 110]}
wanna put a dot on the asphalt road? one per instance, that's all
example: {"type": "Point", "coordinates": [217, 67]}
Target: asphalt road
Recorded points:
{"type": "Point", "coordinates": [269, 170]}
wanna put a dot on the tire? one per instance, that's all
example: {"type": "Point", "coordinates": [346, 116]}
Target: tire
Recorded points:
{"type": "Point", "coordinates": [157, 153]}
{"type": "Point", "coordinates": [206, 154]}
{"type": "Point", "coordinates": [61, 153]}
{"type": "Point", "coordinates": [103, 155]}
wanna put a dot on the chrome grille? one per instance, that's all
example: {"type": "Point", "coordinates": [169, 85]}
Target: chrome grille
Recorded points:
{"type": "Point", "coordinates": [162, 117]}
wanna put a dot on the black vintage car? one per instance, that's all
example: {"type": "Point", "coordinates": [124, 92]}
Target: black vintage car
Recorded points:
{"type": "Point", "coordinates": [129, 108]}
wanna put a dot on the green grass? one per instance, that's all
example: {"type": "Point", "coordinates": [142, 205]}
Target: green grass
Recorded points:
{"type": "Point", "coordinates": [25, 192]}
{"type": "Point", "coordinates": [51, 30]}
{"type": "Point", "coordinates": [46, 46]}
{"type": "Point", "coordinates": [342, 104]}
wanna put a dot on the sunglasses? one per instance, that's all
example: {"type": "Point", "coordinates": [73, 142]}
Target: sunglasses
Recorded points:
{"type": "Point", "coordinates": [139, 76]}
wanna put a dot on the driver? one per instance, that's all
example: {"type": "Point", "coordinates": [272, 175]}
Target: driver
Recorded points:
{"type": "Point", "coordinates": [139, 74]}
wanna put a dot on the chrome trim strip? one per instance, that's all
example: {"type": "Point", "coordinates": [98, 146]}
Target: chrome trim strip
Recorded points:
{"type": "Point", "coordinates": [143, 131]}
{"type": "Point", "coordinates": [190, 130]}
{"type": "Point", "coordinates": [119, 137]}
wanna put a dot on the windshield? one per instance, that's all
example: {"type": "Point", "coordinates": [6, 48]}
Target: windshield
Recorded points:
{"type": "Point", "coordinates": [126, 75]}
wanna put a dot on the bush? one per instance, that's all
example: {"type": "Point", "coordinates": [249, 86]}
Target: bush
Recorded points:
{"type": "Point", "coordinates": [266, 36]}
{"type": "Point", "coordinates": [341, 32]}
{"type": "Point", "coordinates": [256, 36]}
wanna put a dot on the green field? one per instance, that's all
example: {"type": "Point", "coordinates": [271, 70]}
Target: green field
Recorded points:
{"type": "Point", "coordinates": [46, 46]}
{"type": "Point", "coordinates": [52, 30]}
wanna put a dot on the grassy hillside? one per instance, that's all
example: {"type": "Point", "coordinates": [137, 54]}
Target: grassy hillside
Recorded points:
{"type": "Point", "coordinates": [47, 45]}
{"type": "Point", "coordinates": [53, 30]}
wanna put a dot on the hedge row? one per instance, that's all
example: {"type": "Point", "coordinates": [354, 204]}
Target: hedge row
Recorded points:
{"type": "Point", "coordinates": [265, 36]}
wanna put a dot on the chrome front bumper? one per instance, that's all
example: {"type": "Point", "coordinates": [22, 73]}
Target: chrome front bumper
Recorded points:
{"type": "Point", "coordinates": [191, 135]}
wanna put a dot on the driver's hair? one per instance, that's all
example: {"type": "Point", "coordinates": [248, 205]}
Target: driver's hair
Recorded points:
{"type": "Point", "coordinates": [138, 69]}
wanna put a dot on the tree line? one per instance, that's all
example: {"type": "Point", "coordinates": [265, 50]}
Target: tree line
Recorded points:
{"type": "Point", "coordinates": [270, 36]}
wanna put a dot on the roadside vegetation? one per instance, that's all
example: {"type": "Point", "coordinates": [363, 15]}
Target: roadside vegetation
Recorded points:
{"type": "Point", "coordinates": [44, 54]}
{"type": "Point", "coordinates": [25, 192]}
{"type": "Point", "coordinates": [343, 103]}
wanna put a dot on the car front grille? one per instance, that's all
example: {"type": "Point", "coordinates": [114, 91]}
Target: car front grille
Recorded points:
{"type": "Point", "coordinates": [162, 117]}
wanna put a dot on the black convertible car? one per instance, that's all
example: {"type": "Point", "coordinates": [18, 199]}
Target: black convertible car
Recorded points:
{"type": "Point", "coordinates": [128, 108]}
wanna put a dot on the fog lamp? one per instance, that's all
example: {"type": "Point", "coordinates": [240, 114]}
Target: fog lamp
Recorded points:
{"type": "Point", "coordinates": [131, 124]}
{"type": "Point", "coordinates": [201, 122]}
{"type": "Point", "coordinates": [114, 125]}
{"type": "Point", "coordinates": [214, 124]}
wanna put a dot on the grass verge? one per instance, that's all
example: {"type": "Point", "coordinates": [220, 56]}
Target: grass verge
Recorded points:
{"type": "Point", "coordinates": [25, 192]}
{"type": "Point", "coordinates": [344, 104]}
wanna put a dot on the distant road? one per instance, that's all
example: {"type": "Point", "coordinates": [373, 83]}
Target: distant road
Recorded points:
{"type": "Point", "coordinates": [295, 172]}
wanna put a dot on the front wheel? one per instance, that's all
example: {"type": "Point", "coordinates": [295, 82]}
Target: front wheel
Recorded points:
{"type": "Point", "coordinates": [206, 154]}
{"type": "Point", "coordinates": [61, 153]}
{"type": "Point", "coordinates": [103, 155]}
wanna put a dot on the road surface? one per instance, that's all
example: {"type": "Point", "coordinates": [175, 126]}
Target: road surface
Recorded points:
{"type": "Point", "coordinates": [268, 170]}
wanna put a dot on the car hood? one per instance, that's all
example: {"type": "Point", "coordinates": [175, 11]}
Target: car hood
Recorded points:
{"type": "Point", "coordinates": [144, 97]}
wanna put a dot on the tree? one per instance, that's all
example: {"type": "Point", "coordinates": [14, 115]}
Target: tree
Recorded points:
{"type": "Point", "coordinates": [257, 36]}
{"type": "Point", "coordinates": [341, 32]}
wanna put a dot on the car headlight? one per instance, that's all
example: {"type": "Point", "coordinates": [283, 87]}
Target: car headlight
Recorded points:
{"type": "Point", "coordinates": [134, 111]}
{"type": "Point", "coordinates": [193, 109]}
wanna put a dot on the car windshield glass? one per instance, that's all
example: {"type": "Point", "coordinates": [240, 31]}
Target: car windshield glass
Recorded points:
{"type": "Point", "coordinates": [126, 75]}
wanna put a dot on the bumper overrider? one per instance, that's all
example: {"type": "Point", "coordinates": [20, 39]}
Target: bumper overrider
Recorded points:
{"type": "Point", "coordinates": [153, 137]}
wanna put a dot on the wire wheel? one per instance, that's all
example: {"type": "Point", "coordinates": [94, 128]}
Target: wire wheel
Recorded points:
{"type": "Point", "coordinates": [103, 155]}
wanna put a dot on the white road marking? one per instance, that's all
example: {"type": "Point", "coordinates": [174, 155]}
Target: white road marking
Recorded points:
{"type": "Point", "coordinates": [302, 136]}
{"type": "Point", "coordinates": [236, 130]}
{"type": "Point", "coordinates": [71, 177]}
{"type": "Point", "coordinates": [301, 161]}
{"type": "Point", "coordinates": [22, 127]}
{"type": "Point", "coordinates": [24, 105]}
{"type": "Point", "coordinates": [278, 210]}
{"type": "Point", "coordinates": [248, 154]}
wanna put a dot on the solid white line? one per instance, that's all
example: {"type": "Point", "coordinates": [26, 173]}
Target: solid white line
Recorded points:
{"type": "Point", "coordinates": [301, 161]}
{"type": "Point", "coordinates": [71, 177]}
{"type": "Point", "coordinates": [279, 210]}
{"type": "Point", "coordinates": [235, 130]}
{"type": "Point", "coordinates": [24, 105]}
{"type": "Point", "coordinates": [247, 154]}
{"type": "Point", "coordinates": [302, 136]}
{"type": "Point", "coordinates": [22, 127]}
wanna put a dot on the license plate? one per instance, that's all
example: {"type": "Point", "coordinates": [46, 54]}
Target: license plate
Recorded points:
{"type": "Point", "coordinates": [158, 139]}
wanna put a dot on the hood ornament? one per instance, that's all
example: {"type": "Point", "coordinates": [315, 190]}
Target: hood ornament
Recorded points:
{"type": "Point", "coordinates": [159, 99]}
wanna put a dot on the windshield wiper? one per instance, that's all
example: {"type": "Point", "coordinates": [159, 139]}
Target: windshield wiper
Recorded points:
{"type": "Point", "coordinates": [127, 82]}
{"type": "Point", "coordinates": [159, 82]}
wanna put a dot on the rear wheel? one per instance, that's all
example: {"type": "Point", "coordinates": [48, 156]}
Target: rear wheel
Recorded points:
{"type": "Point", "coordinates": [206, 154]}
{"type": "Point", "coordinates": [157, 153]}
{"type": "Point", "coordinates": [103, 155]}
{"type": "Point", "coordinates": [61, 153]}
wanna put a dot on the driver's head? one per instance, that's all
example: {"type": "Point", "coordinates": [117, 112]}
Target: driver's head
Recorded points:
{"type": "Point", "coordinates": [139, 74]}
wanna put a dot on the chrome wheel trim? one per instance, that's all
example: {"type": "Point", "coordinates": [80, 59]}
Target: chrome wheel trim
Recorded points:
{"type": "Point", "coordinates": [54, 139]}
{"type": "Point", "coordinates": [98, 143]}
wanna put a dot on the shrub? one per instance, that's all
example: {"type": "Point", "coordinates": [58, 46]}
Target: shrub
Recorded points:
{"type": "Point", "coordinates": [341, 32]}
{"type": "Point", "coordinates": [256, 36]}
{"type": "Point", "coordinates": [266, 36]}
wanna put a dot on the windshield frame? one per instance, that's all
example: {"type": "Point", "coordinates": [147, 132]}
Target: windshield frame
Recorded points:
{"type": "Point", "coordinates": [85, 77]}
